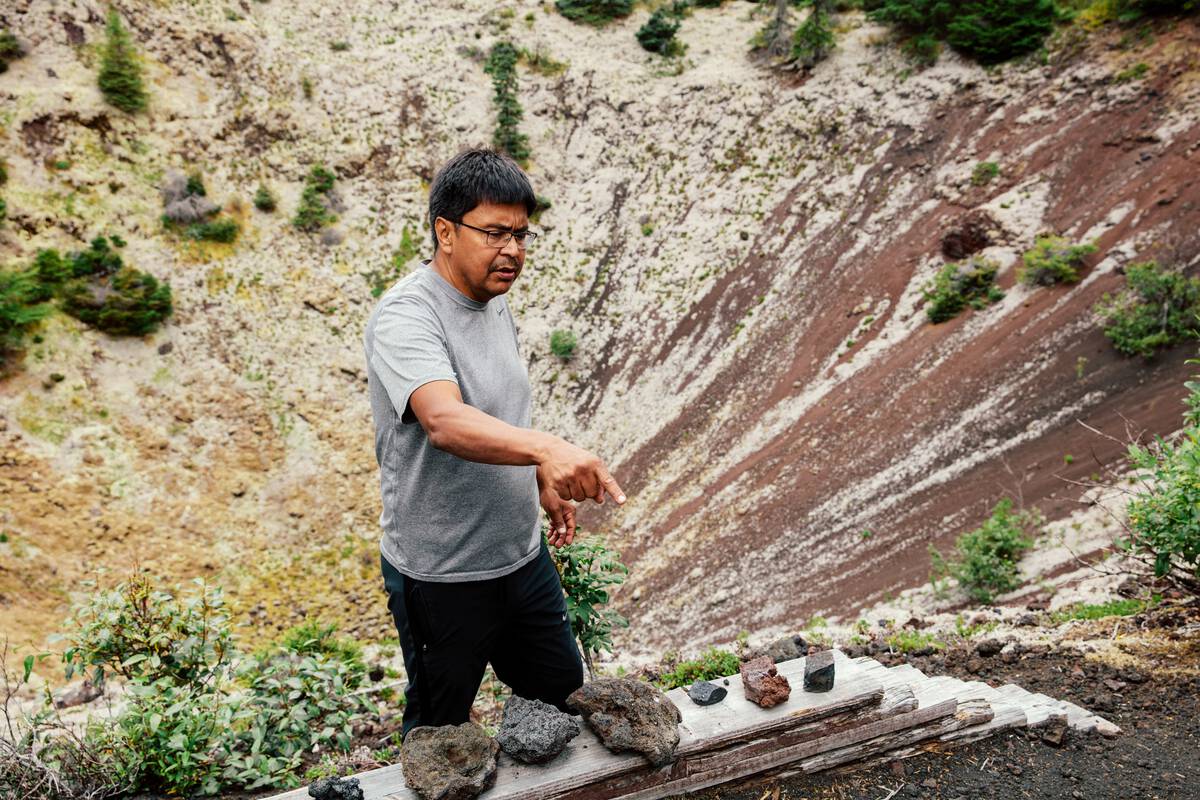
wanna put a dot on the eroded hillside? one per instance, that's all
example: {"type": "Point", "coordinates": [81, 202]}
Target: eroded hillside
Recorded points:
{"type": "Point", "coordinates": [717, 240]}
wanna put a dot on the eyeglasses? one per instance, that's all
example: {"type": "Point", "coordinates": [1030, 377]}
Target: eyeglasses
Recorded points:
{"type": "Point", "coordinates": [500, 239]}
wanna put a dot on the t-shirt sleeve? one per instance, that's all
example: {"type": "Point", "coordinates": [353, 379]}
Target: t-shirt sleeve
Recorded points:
{"type": "Point", "coordinates": [409, 351]}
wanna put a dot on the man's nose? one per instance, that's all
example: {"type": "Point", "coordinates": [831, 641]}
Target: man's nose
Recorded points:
{"type": "Point", "coordinates": [512, 249]}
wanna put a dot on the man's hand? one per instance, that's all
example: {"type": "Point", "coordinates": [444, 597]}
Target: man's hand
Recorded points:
{"type": "Point", "coordinates": [562, 518]}
{"type": "Point", "coordinates": [576, 474]}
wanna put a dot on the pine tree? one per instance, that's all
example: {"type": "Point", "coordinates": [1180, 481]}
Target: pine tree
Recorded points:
{"type": "Point", "coordinates": [120, 76]}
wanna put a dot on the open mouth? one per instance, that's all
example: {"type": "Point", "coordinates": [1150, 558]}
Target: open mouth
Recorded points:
{"type": "Point", "coordinates": [507, 273]}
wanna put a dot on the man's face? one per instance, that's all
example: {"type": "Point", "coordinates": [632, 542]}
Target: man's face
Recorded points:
{"type": "Point", "coordinates": [485, 270]}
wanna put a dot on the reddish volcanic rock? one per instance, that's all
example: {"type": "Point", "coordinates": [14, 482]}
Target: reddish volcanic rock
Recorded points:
{"type": "Point", "coordinates": [763, 683]}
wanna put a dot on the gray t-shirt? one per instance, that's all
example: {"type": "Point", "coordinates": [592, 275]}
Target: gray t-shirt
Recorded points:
{"type": "Point", "coordinates": [445, 518]}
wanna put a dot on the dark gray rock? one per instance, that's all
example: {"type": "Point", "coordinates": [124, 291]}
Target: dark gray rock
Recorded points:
{"type": "Point", "coordinates": [630, 715]}
{"type": "Point", "coordinates": [449, 762]}
{"type": "Point", "coordinates": [819, 671]}
{"type": "Point", "coordinates": [763, 684]}
{"type": "Point", "coordinates": [787, 648]}
{"type": "Point", "coordinates": [190, 209]}
{"type": "Point", "coordinates": [77, 694]}
{"type": "Point", "coordinates": [336, 789]}
{"type": "Point", "coordinates": [989, 647]}
{"type": "Point", "coordinates": [704, 693]}
{"type": "Point", "coordinates": [533, 731]}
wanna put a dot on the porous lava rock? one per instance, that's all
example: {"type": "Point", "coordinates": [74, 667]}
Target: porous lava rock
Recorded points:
{"type": "Point", "coordinates": [534, 731]}
{"type": "Point", "coordinates": [335, 789]}
{"type": "Point", "coordinates": [449, 762]}
{"type": "Point", "coordinates": [630, 715]}
{"type": "Point", "coordinates": [763, 684]}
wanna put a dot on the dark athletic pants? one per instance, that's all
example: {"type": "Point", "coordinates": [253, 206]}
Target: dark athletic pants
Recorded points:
{"type": "Point", "coordinates": [450, 631]}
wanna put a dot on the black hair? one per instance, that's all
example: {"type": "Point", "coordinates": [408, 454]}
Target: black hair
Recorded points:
{"type": "Point", "coordinates": [473, 177]}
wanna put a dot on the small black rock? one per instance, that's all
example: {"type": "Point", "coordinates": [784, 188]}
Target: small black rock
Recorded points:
{"type": "Point", "coordinates": [818, 671]}
{"type": "Point", "coordinates": [704, 693]}
{"type": "Point", "coordinates": [335, 789]}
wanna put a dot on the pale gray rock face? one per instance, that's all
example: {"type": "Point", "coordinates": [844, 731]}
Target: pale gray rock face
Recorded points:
{"type": "Point", "coordinates": [449, 762]}
{"type": "Point", "coordinates": [192, 208]}
{"type": "Point", "coordinates": [630, 715]}
{"type": "Point", "coordinates": [533, 731]}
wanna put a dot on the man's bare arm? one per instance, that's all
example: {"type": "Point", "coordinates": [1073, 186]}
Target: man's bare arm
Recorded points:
{"type": "Point", "coordinates": [470, 434]}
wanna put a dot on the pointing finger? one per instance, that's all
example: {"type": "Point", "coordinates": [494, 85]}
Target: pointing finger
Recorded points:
{"type": "Point", "coordinates": [610, 485]}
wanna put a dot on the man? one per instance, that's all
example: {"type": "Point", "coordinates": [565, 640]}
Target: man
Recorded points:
{"type": "Point", "coordinates": [468, 576]}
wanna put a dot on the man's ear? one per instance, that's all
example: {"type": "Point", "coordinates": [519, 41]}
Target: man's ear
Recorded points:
{"type": "Point", "coordinates": [444, 230]}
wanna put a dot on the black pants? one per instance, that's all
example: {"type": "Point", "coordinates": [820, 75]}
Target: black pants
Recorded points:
{"type": "Point", "coordinates": [450, 631]}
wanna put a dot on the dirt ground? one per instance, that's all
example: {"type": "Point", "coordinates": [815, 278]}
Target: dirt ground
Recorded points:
{"type": "Point", "coordinates": [1148, 684]}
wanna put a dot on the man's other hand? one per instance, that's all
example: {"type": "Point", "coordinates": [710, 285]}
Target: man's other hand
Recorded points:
{"type": "Point", "coordinates": [576, 474]}
{"type": "Point", "coordinates": [562, 518]}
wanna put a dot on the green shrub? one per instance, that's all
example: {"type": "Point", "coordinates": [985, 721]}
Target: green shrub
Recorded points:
{"type": "Point", "coordinates": [1134, 73]}
{"type": "Point", "coordinates": [984, 173]}
{"type": "Point", "coordinates": [594, 12]}
{"type": "Point", "coordinates": [143, 633]}
{"type": "Point", "coordinates": [502, 66]}
{"type": "Point", "coordinates": [989, 31]}
{"type": "Point", "coordinates": [813, 39]}
{"type": "Point", "coordinates": [129, 303]}
{"type": "Point", "coordinates": [1157, 308]}
{"type": "Point", "coordinates": [195, 184]}
{"type": "Point", "coordinates": [985, 559]}
{"type": "Point", "coordinates": [120, 76]}
{"type": "Point", "coordinates": [958, 286]}
{"type": "Point", "coordinates": [658, 34]}
{"type": "Point", "coordinates": [1112, 608]}
{"type": "Point", "coordinates": [10, 50]}
{"type": "Point", "coordinates": [264, 200]}
{"type": "Point", "coordinates": [202, 719]}
{"type": "Point", "coordinates": [542, 63]}
{"type": "Point", "coordinates": [1053, 260]}
{"type": "Point", "coordinates": [312, 214]}
{"type": "Point", "coordinates": [20, 309]}
{"type": "Point", "coordinates": [381, 279]}
{"type": "Point", "coordinates": [218, 230]}
{"type": "Point", "coordinates": [562, 343]}
{"type": "Point", "coordinates": [1164, 516]}
{"type": "Point", "coordinates": [712, 663]}
{"type": "Point", "coordinates": [914, 642]}
{"type": "Point", "coordinates": [3, 209]}
{"type": "Point", "coordinates": [587, 568]}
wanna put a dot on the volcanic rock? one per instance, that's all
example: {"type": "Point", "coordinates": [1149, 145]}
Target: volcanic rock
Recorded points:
{"type": "Point", "coordinates": [704, 693]}
{"type": "Point", "coordinates": [763, 684]}
{"type": "Point", "coordinates": [533, 731]}
{"type": "Point", "coordinates": [449, 762]}
{"type": "Point", "coordinates": [630, 715]}
{"type": "Point", "coordinates": [335, 789]}
{"type": "Point", "coordinates": [818, 671]}
{"type": "Point", "coordinates": [989, 647]}
{"type": "Point", "coordinates": [787, 648]}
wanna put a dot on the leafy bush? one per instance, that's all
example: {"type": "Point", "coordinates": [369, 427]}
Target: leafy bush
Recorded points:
{"type": "Point", "coordinates": [20, 309]}
{"type": "Point", "coordinates": [586, 568]}
{"type": "Point", "coordinates": [1053, 260]}
{"type": "Point", "coordinates": [10, 50]}
{"type": "Point", "coordinates": [195, 185]}
{"type": "Point", "coordinates": [130, 303]}
{"type": "Point", "coordinates": [1157, 308]}
{"type": "Point", "coordinates": [712, 663]}
{"type": "Point", "coordinates": [1164, 516]}
{"type": "Point", "coordinates": [914, 642]}
{"type": "Point", "coordinates": [502, 66]}
{"type": "Point", "coordinates": [594, 12]}
{"type": "Point", "coordinates": [814, 38]}
{"type": "Point", "coordinates": [264, 200]}
{"type": "Point", "coordinates": [984, 173]}
{"type": "Point", "coordinates": [312, 214]}
{"type": "Point", "coordinates": [142, 633]}
{"type": "Point", "coordinates": [985, 559]}
{"type": "Point", "coordinates": [958, 286]}
{"type": "Point", "coordinates": [201, 718]}
{"type": "Point", "coordinates": [658, 34]}
{"type": "Point", "coordinates": [120, 76]}
{"type": "Point", "coordinates": [218, 230]}
{"type": "Point", "coordinates": [1112, 608]}
{"type": "Point", "coordinates": [989, 31]}
{"type": "Point", "coordinates": [562, 343]}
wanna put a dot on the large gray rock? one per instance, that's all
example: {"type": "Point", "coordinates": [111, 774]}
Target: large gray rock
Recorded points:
{"type": "Point", "coordinates": [533, 731]}
{"type": "Point", "coordinates": [630, 715]}
{"type": "Point", "coordinates": [192, 208]}
{"type": "Point", "coordinates": [450, 762]}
